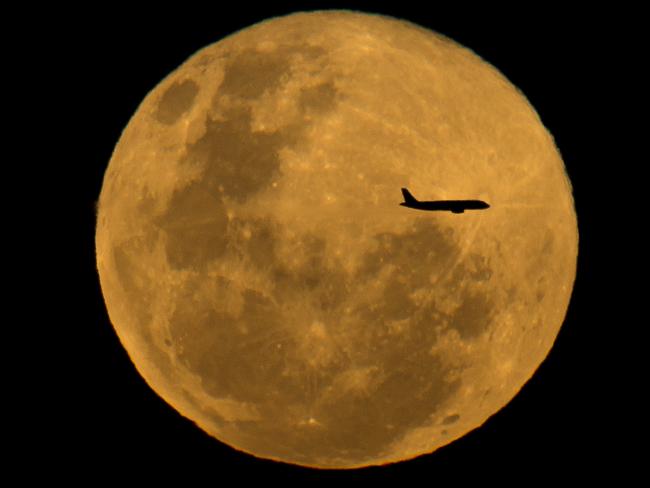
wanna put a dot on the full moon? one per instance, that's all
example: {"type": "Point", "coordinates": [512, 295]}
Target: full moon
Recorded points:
{"type": "Point", "coordinates": [259, 270]}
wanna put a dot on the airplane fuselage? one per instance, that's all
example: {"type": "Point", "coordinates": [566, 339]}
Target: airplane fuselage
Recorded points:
{"type": "Point", "coordinates": [455, 206]}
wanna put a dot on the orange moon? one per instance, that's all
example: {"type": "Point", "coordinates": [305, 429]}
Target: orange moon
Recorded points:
{"type": "Point", "coordinates": [257, 266]}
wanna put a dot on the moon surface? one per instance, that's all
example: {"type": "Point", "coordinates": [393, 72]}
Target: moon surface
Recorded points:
{"type": "Point", "coordinates": [258, 268]}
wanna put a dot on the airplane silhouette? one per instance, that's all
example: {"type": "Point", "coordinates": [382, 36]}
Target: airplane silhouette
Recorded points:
{"type": "Point", "coordinates": [454, 206]}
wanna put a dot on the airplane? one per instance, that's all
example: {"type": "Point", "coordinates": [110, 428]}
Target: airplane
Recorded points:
{"type": "Point", "coordinates": [454, 206]}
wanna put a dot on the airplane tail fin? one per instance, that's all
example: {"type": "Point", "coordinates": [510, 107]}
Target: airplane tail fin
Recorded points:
{"type": "Point", "coordinates": [408, 198]}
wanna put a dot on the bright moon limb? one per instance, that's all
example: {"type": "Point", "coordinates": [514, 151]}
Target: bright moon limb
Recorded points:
{"type": "Point", "coordinates": [258, 268]}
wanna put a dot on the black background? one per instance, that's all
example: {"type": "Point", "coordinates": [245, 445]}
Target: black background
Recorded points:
{"type": "Point", "coordinates": [112, 424]}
